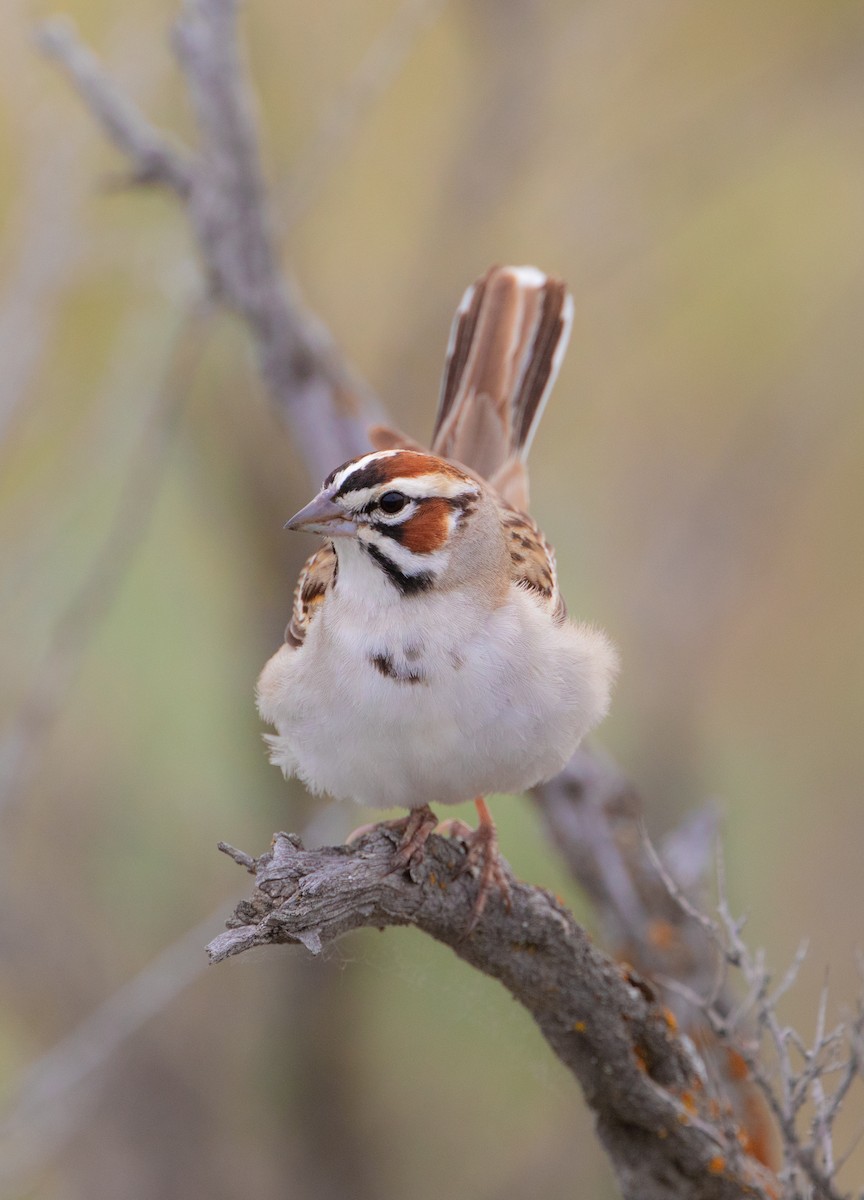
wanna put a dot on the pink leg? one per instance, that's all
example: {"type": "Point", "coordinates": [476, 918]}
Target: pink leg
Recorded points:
{"type": "Point", "coordinates": [482, 844]}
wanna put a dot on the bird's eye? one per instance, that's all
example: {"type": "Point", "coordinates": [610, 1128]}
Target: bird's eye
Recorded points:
{"type": "Point", "coordinates": [392, 502]}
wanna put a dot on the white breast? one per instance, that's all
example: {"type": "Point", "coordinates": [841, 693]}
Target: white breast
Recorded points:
{"type": "Point", "coordinates": [433, 701]}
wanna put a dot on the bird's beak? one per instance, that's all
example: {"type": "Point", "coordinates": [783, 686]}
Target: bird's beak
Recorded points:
{"type": "Point", "coordinates": [323, 516]}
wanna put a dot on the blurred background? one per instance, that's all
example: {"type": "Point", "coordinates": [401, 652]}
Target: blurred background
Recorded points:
{"type": "Point", "coordinates": [696, 172]}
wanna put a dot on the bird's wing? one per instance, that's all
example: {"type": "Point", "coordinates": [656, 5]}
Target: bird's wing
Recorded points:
{"type": "Point", "coordinates": [315, 581]}
{"type": "Point", "coordinates": [532, 560]}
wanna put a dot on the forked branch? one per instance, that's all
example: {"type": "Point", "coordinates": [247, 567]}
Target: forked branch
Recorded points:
{"type": "Point", "coordinates": [221, 184]}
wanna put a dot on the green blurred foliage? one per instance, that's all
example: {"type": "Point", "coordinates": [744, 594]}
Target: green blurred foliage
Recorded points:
{"type": "Point", "coordinates": [695, 172]}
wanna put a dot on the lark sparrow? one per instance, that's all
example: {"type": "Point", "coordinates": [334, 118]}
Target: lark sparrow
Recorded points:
{"type": "Point", "coordinates": [429, 658]}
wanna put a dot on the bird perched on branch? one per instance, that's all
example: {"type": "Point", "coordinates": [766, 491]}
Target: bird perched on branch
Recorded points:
{"type": "Point", "coordinates": [429, 658]}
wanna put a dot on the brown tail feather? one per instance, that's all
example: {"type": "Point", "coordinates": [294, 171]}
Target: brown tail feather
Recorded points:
{"type": "Point", "coordinates": [506, 344]}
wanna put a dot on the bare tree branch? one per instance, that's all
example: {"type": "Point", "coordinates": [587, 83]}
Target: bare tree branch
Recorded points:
{"type": "Point", "coordinates": [326, 405]}
{"type": "Point", "coordinates": [154, 157]}
{"type": "Point", "coordinates": [600, 1018]}
{"type": "Point", "coordinates": [593, 816]}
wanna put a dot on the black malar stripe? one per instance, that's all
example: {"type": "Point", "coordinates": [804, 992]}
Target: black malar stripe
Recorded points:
{"type": "Point", "coordinates": [407, 584]}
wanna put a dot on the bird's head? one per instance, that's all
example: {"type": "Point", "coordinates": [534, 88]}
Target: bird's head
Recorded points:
{"type": "Point", "coordinates": [408, 512]}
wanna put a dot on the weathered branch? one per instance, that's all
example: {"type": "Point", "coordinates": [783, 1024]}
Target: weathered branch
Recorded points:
{"type": "Point", "coordinates": [601, 1020]}
{"type": "Point", "coordinates": [593, 815]}
{"type": "Point", "coordinates": [326, 405]}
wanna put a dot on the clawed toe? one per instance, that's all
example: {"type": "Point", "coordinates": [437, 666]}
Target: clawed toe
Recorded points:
{"type": "Point", "coordinates": [416, 829]}
{"type": "Point", "coordinates": [482, 845]}
{"type": "Point", "coordinates": [454, 828]}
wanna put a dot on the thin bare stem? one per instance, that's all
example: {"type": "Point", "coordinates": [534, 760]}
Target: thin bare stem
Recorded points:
{"type": "Point", "coordinates": [155, 157]}
{"type": "Point", "coordinates": [23, 739]}
{"type": "Point", "coordinates": [39, 1118]}
{"type": "Point", "coordinates": [375, 73]}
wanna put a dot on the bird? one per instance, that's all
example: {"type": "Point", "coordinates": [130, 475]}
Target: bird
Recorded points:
{"type": "Point", "coordinates": [429, 657]}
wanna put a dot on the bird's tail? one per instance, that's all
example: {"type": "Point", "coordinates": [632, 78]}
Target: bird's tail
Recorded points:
{"type": "Point", "coordinates": [506, 344]}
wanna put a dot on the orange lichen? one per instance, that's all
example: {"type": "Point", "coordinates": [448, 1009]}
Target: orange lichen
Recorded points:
{"type": "Point", "coordinates": [670, 1019]}
{"type": "Point", "coordinates": [640, 1059]}
{"type": "Point", "coordinates": [579, 1027]}
{"type": "Point", "coordinates": [738, 1068]}
{"type": "Point", "coordinates": [717, 1165]}
{"type": "Point", "coordinates": [661, 934]}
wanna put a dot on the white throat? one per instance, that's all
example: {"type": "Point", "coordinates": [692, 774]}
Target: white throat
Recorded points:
{"type": "Point", "coordinates": [361, 581]}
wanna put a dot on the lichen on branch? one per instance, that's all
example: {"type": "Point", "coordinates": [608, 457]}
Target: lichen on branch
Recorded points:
{"type": "Point", "coordinates": [600, 1018]}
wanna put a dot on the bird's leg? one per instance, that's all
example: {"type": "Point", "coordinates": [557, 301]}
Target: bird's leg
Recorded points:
{"type": "Point", "coordinates": [416, 828]}
{"type": "Point", "coordinates": [482, 844]}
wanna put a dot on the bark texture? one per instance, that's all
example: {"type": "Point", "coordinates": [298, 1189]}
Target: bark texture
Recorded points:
{"type": "Point", "coordinates": [600, 1018]}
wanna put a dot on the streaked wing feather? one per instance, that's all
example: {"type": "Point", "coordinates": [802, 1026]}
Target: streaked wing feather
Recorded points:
{"type": "Point", "coordinates": [532, 560]}
{"type": "Point", "coordinates": [315, 581]}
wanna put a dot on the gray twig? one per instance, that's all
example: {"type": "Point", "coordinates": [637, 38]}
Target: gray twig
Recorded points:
{"type": "Point", "coordinates": [155, 158]}
{"type": "Point", "coordinates": [810, 1164]}
{"type": "Point", "coordinates": [374, 74]}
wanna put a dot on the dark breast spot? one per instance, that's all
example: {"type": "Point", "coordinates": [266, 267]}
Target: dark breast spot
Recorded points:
{"type": "Point", "coordinates": [385, 665]}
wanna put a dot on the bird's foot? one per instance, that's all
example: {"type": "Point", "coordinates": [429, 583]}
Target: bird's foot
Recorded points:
{"type": "Point", "coordinates": [482, 845]}
{"type": "Point", "coordinates": [415, 829]}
